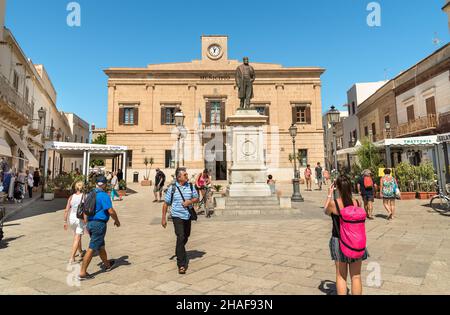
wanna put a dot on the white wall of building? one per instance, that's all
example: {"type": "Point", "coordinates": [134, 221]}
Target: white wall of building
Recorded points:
{"type": "Point", "coordinates": [357, 94]}
{"type": "Point", "coordinates": [439, 87]}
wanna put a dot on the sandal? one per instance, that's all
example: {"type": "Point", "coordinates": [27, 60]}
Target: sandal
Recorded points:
{"type": "Point", "coordinates": [182, 271]}
{"type": "Point", "coordinates": [86, 277]}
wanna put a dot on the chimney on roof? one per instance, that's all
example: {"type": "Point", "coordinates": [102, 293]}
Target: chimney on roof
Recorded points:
{"type": "Point", "coordinates": [93, 127]}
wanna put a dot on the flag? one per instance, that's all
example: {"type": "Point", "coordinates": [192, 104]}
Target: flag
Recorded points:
{"type": "Point", "coordinates": [200, 121]}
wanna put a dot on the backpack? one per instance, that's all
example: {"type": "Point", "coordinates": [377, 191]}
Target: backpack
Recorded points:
{"type": "Point", "coordinates": [352, 238]}
{"type": "Point", "coordinates": [193, 214]}
{"type": "Point", "coordinates": [87, 205]}
{"type": "Point", "coordinates": [368, 183]}
{"type": "Point", "coordinates": [389, 188]}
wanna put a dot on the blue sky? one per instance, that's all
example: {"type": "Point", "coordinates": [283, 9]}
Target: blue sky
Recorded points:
{"type": "Point", "coordinates": [325, 33]}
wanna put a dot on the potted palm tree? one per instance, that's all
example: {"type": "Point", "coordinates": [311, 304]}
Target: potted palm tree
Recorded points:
{"type": "Point", "coordinates": [122, 188]}
{"type": "Point", "coordinates": [426, 177]}
{"type": "Point", "coordinates": [406, 178]}
{"type": "Point", "coordinates": [147, 181]}
{"type": "Point", "coordinates": [49, 190]}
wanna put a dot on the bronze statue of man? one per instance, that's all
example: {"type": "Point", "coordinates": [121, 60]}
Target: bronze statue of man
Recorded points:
{"type": "Point", "coordinates": [245, 76]}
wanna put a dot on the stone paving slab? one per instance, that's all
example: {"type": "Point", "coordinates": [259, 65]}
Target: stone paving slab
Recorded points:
{"type": "Point", "coordinates": [273, 254]}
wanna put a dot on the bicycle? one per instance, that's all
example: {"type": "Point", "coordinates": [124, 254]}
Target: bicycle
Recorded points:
{"type": "Point", "coordinates": [205, 202]}
{"type": "Point", "coordinates": [441, 202]}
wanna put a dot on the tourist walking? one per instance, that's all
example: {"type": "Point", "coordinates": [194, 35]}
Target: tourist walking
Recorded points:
{"type": "Point", "coordinates": [115, 187]}
{"type": "Point", "coordinates": [308, 179]}
{"type": "Point", "coordinates": [96, 226]}
{"type": "Point", "coordinates": [30, 184]}
{"type": "Point", "coordinates": [160, 180]}
{"type": "Point", "coordinates": [36, 179]}
{"type": "Point", "coordinates": [326, 176]}
{"type": "Point", "coordinates": [272, 184]}
{"type": "Point", "coordinates": [366, 189]}
{"type": "Point", "coordinates": [203, 180]}
{"type": "Point", "coordinates": [120, 175]}
{"type": "Point", "coordinates": [319, 176]}
{"type": "Point", "coordinates": [181, 196]}
{"type": "Point", "coordinates": [71, 220]}
{"type": "Point", "coordinates": [388, 192]}
{"type": "Point", "coordinates": [348, 240]}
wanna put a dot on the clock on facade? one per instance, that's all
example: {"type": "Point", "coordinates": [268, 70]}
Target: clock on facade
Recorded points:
{"type": "Point", "coordinates": [215, 51]}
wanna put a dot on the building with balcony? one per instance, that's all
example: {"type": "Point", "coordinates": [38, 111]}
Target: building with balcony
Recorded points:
{"type": "Point", "coordinates": [28, 112]}
{"type": "Point", "coordinates": [356, 96]}
{"type": "Point", "coordinates": [142, 103]}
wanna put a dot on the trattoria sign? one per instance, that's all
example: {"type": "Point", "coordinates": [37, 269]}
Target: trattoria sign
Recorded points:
{"type": "Point", "coordinates": [444, 137]}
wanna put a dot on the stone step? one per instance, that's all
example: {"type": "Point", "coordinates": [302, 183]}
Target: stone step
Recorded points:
{"type": "Point", "coordinates": [252, 204]}
{"type": "Point", "coordinates": [240, 212]}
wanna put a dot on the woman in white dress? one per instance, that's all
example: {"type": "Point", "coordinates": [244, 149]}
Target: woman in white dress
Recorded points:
{"type": "Point", "coordinates": [75, 224]}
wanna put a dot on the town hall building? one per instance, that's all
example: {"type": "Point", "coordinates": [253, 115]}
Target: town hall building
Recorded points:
{"type": "Point", "coordinates": [142, 103]}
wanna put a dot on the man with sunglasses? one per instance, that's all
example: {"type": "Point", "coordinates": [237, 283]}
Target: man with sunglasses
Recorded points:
{"type": "Point", "coordinates": [180, 196]}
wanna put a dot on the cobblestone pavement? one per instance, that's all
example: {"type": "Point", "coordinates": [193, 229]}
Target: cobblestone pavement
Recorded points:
{"type": "Point", "coordinates": [228, 255]}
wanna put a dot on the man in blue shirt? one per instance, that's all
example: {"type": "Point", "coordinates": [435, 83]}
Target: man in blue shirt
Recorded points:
{"type": "Point", "coordinates": [96, 227]}
{"type": "Point", "coordinates": [185, 196]}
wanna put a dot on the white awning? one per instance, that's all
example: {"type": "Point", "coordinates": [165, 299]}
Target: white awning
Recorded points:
{"type": "Point", "coordinates": [426, 141]}
{"type": "Point", "coordinates": [5, 149]}
{"type": "Point", "coordinates": [351, 151]}
{"type": "Point", "coordinates": [68, 146]}
{"type": "Point", "coordinates": [32, 162]}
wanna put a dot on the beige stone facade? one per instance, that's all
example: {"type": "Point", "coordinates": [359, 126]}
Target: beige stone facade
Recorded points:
{"type": "Point", "coordinates": [142, 101]}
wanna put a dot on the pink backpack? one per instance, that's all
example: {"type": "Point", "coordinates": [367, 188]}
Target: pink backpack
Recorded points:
{"type": "Point", "coordinates": [353, 231]}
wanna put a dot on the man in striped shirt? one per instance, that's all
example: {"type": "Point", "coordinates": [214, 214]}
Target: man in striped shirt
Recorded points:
{"type": "Point", "coordinates": [180, 200]}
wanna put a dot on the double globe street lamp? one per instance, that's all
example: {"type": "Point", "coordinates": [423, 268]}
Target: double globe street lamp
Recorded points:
{"type": "Point", "coordinates": [296, 196]}
{"type": "Point", "coordinates": [333, 118]}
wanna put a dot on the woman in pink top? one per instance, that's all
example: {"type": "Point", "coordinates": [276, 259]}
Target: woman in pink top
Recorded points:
{"type": "Point", "coordinates": [308, 173]}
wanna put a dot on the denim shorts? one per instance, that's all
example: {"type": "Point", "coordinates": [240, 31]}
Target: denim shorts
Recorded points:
{"type": "Point", "coordinates": [97, 231]}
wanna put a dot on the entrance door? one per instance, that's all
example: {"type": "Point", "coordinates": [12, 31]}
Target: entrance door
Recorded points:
{"type": "Point", "coordinates": [216, 158]}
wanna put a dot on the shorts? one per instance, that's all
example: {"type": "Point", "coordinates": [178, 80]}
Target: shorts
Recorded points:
{"type": "Point", "coordinates": [337, 255]}
{"type": "Point", "coordinates": [97, 230]}
{"type": "Point", "coordinates": [77, 226]}
{"type": "Point", "coordinates": [368, 198]}
{"type": "Point", "coordinates": [158, 188]}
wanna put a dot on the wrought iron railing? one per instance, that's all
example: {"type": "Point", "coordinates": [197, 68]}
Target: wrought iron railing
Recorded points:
{"type": "Point", "coordinates": [14, 100]}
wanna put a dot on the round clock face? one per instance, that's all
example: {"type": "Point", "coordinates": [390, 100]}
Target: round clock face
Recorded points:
{"type": "Point", "coordinates": [214, 50]}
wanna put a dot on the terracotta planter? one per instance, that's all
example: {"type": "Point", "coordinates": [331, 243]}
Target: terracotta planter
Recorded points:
{"type": "Point", "coordinates": [146, 183]}
{"type": "Point", "coordinates": [122, 193]}
{"type": "Point", "coordinates": [408, 195]}
{"type": "Point", "coordinates": [423, 195]}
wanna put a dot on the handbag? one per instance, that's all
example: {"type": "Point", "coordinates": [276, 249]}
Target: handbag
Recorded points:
{"type": "Point", "coordinates": [80, 209]}
{"type": "Point", "coordinates": [192, 213]}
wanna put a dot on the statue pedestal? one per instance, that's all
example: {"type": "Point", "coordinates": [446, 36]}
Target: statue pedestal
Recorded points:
{"type": "Point", "coordinates": [248, 173]}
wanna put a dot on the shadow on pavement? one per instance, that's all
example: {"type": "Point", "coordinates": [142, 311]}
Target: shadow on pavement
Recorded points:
{"type": "Point", "coordinates": [329, 287]}
{"type": "Point", "coordinates": [194, 254]}
{"type": "Point", "coordinates": [6, 241]}
{"type": "Point", "coordinates": [118, 262]}
{"type": "Point", "coordinates": [38, 208]}
{"type": "Point", "coordinates": [382, 216]}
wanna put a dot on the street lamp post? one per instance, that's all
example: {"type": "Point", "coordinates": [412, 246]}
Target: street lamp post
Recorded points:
{"type": "Point", "coordinates": [296, 196]}
{"type": "Point", "coordinates": [333, 117]}
{"type": "Point", "coordinates": [179, 123]}
{"type": "Point", "coordinates": [42, 116]}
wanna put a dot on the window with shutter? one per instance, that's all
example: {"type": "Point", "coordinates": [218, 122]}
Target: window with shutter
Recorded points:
{"type": "Point", "coordinates": [136, 116]}
{"type": "Point", "coordinates": [121, 115]}
{"type": "Point", "coordinates": [431, 106]}
{"type": "Point", "coordinates": [168, 114]}
{"type": "Point", "coordinates": [302, 114]}
{"type": "Point", "coordinates": [410, 113]}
